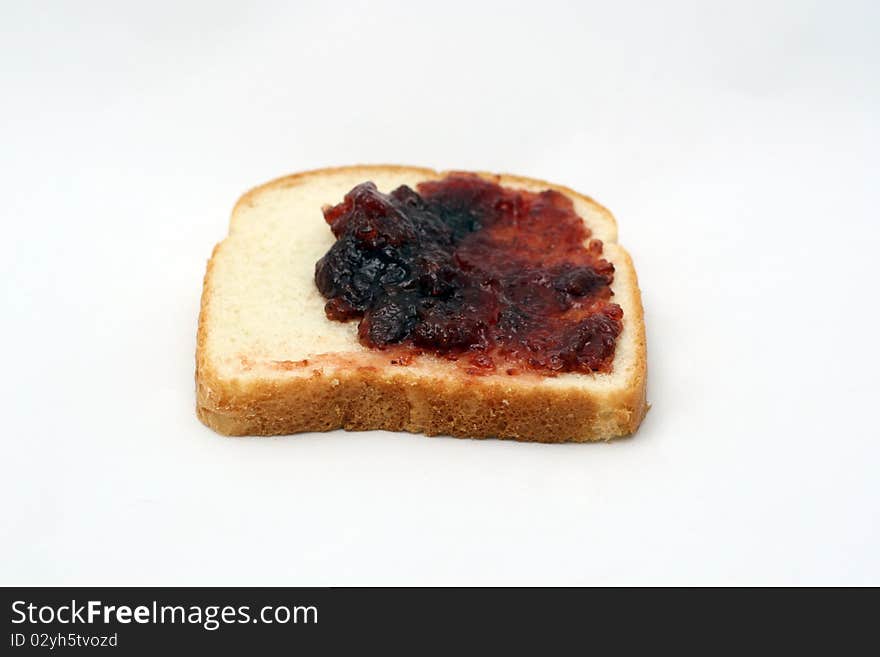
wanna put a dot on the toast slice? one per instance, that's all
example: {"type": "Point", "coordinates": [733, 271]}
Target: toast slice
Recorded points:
{"type": "Point", "coordinates": [268, 361]}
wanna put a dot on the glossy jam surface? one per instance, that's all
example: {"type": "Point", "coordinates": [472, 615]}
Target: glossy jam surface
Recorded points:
{"type": "Point", "coordinates": [501, 279]}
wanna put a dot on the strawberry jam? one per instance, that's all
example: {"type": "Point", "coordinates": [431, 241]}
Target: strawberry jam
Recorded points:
{"type": "Point", "coordinates": [464, 268]}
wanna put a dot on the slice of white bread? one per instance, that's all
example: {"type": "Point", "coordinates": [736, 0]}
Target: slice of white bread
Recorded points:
{"type": "Point", "coordinates": [269, 362]}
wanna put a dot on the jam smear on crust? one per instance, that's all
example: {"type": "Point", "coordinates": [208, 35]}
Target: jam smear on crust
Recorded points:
{"type": "Point", "coordinates": [501, 279]}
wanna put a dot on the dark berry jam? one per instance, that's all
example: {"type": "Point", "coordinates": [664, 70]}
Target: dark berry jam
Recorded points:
{"type": "Point", "coordinates": [467, 269]}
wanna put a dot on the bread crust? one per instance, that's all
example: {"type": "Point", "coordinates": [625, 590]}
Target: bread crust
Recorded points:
{"type": "Point", "coordinates": [365, 397]}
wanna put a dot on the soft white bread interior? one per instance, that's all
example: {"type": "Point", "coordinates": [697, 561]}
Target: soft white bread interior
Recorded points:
{"type": "Point", "coordinates": [270, 362]}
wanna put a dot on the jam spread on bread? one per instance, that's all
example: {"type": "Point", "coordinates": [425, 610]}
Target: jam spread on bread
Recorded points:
{"type": "Point", "coordinates": [505, 280]}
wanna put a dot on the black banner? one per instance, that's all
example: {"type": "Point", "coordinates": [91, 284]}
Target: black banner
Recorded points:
{"type": "Point", "coordinates": [150, 620]}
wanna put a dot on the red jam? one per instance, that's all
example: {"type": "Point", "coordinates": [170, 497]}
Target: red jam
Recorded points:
{"type": "Point", "coordinates": [467, 269]}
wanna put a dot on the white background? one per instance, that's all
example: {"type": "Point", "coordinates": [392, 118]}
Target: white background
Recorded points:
{"type": "Point", "coordinates": [736, 142]}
